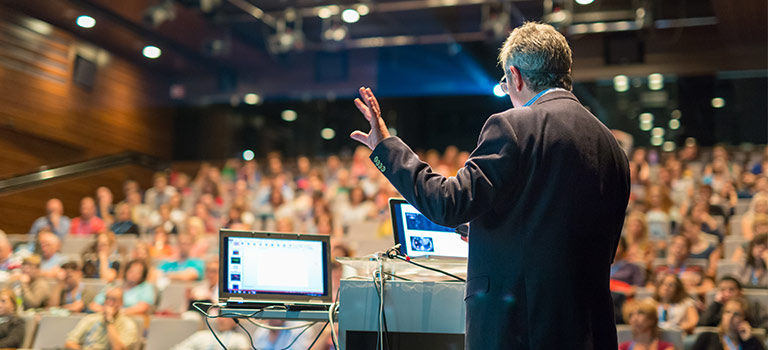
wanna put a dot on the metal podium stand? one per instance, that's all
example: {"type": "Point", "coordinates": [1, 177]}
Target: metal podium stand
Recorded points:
{"type": "Point", "coordinates": [419, 314]}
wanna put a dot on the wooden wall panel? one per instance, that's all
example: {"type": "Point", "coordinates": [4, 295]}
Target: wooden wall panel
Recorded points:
{"type": "Point", "coordinates": [45, 118]}
{"type": "Point", "coordinates": [19, 210]}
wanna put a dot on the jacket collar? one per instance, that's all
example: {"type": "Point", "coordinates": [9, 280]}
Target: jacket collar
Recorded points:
{"type": "Point", "coordinates": [555, 95]}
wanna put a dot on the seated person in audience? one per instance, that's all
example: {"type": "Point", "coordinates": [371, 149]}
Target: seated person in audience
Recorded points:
{"type": "Point", "coordinates": [109, 328]}
{"type": "Point", "coordinates": [105, 209]}
{"type": "Point", "coordinates": [702, 247]}
{"type": "Point", "coordinates": [707, 223]}
{"type": "Point", "coordinates": [138, 294]}
{"type": "Point", "coordinates": [7, 261]}
{"type": "Point", "coordinates": [34, 289]}
{"type": "Point", "coordinates": [50, 257]}
{"type": "Point", "coordinates": [185, 267]}
{"type": "Point", "coordinates": [123, 221]}
{"type": "Point", "coordinates": [640, 249]}
{"type": "Point", "coordinates": [734, 332]}
{"type": "Point", "coordinates": [162, 217]}
{"type": "Point", "coordinates": [101, 259]}
{"type": "Point", "coordinates": [753, 274]}
{"type": "Point", "coordinates": [160, 193]}
{"type": "Point", "coordinates": [68, 292]}
{"type": "Point", "coordinates": [87, 223]}
{"type": "Point", "coordinates": [11, 326]}
{"type": "Point", "coordinates": [54, 220]}
{"type": "Point", "coordinates": [693, 277]}
{"type": "Point", "coordinates": [676, 310]}
{"type": "Point", "coordinates": [225, 330]}
{"type": "Point", "coordinates": [629, 274]}
{"type": "Point", "coordinates": [758, 205]}
{"type": "Point", "coordinates": [208, 289]}
{"type": "Point", "coordinates": [730, 288]}
{"type": "Point", "coordinates": [760, 228]}
{"type": "Point", "coordinates": [141, 252]}
{"type": "Point", "coordinates": [161, 248]}
{"type": "Point", "coordinates": [196, 229]}
{"type": "Point", "coordinates": [642, 317]}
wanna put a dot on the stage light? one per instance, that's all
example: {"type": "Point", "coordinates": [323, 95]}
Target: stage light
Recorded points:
{"type": "Point", "coordinates": [252, 99]}
{"type": "Point", "coordinates": [690, 142]}
{"type": "Point", "coordinates": [363, 9]}
{"type": "Point", "coordinates": [676, 114]}
{"type": "Point", "coordinates": [85, 21]}
{"type": "Point", "coordinates": [350, 16]}
{"type": "Point", "coordinates": [621, 83]}
{"type": "Point", "coordinates": [584, 2]}
{"type": "Point", "coordinates": [658, 132]}
{"type": "Point", "coordinates": [657, 140]}
{"type": "Point", "coordinates": [674, 124]}
{"type": "Point", "coordinates": [327, 134]}
{"type": "Point", "coordinates": [248, 155]}
{"type": "Point", "coordinates": [718, 102]}
{"type": "Point", "coordinates": [392, 132]}
{"type": "Point", "coordinates": [655, 81]}
{"type": "Point", "coordinates": [288, 115]}
{"type": "Point", "coordinates": [151, 51]}
{"type": "Point", "coordinates": [646, 126]}
{"type": "Point", "coordinates": [646, 117]}
{"type": "Point", "coordinates": [668, 146]}
{"type": "Point", "coordinates": [498, 91]}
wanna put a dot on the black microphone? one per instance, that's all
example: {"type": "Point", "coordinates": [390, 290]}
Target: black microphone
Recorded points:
{"type": "Point", "coordinates": [463, 230]}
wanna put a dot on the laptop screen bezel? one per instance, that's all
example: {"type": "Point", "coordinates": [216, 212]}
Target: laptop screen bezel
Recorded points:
{"type": "Point", "coordinates": [224, 294]}
{"type": "Point", "coordinates": [398, 226]}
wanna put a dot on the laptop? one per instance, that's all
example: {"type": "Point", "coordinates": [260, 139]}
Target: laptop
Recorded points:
{"type": "Point", "coordinates": [291, 271]}
{"type": "Point", "coordinates": [420, 237]}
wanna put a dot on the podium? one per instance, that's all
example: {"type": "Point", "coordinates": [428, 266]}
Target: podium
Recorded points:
{"type": "Point", "coordinates": [419, 314]}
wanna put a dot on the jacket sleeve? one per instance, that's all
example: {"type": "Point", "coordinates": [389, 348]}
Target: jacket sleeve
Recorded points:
{"type": "Point", "coordinates": [711, 316]}
{"type": "Point", "coordinates": [454, 200]}
{"type": "Point", "coordinates": [15, 334]}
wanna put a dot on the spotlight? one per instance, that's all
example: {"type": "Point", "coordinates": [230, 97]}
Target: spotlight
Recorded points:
{"type": "Point", "coordinates": [324, 13]}
{"type": "Point", "coordinates": [658, 132]}
{"type": "Point", "coordinates": [657, 140]}
{"type": "Point", "coordinates": [248, 155]}
{"type": "Point", "coordinates": [655, 81]}
{"type": "Point", "coordinates": [288, 115]}
{"type": "Point", "coordinates": [621, 83]}
{"type": "Point", "coordinates": [363, 9]}
{"type": "Point", "coordinates": [718, 102]}
{"type": "Point", "coordinates": [676, 114]}
{"type": "Point", "coordinates": [85, 21]}
{"type": "Point", "coordinates": [252, 99]}
{"type": "Point", "coordinates": [668, 146]}
{"type": "Point", "coordinates": [674, 124]}
{"type": "Point", "coordinates": [646, 117]}
{"type": "Point", "coordinates": [584, 2]}
{"type": "Point", "coordinates": [350, 16]}
{"type": "Point", "coordinates": [151, 51]}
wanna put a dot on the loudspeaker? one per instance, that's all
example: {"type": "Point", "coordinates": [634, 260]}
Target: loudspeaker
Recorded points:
{"type": "Point", "coordinates": [84, 72]}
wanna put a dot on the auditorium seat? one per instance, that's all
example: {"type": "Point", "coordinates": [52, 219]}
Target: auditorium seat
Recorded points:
{"type": "Point", "coordinates": [728, 268]}
{"type": "Point", "coordinates": [76, 245]}
{"type": "Point", "coordinates": [751, 294]}
{"type": "Point", "coordinates": [52, 330]}
{"type": "Point", "coordinates": [364, 238]}
{"type": "Point", "coordinates": [30, 326]}
{"type": "Point", "coordinates": [742, 206]}
{"type": "Point", "coordinates": [735, 226]}
{"type": "Point", "coordinates": [675, 337]}
{"type": "Point", "coordinates": [174, 297]}
{"type": "Point", "coordinates": [730, 245]}
{"type": "Point", "coordinates": [643, 293]}
{"type": "Point", "coordinates": [690, 262]}
{"type": "Point", "coordinates": [163, 333]}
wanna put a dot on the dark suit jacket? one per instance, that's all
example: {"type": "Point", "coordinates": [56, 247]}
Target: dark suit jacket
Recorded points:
{"type": "Point", "coordinates": [545, 193]}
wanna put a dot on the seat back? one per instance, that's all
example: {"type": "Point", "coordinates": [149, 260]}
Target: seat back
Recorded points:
{"type": "Point", "coordinates": [164, 333]}
{"type": "Point", "coordinates": [52, 331]}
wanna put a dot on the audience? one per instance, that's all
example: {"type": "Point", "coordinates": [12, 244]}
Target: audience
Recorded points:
{"type": "Point", "coordinates": [87, 223]}
{"type": "Point", "coordinates": [11, 326]}
{"type": "Point", "coordinates": [225, 329]}
{"type": "Point", "coordinates": [33, 289]}
{"type": "Point", "coordinates": [734, 332]}
{"type": "Point", "coordinates": [123, 221]}
{"type": "Point", "coordinates": [50, 256]}
{"type": "Point", "coordinates": [101, 259]}
{"type": "Point", "coordinates": [108, 328]}
{"type": "Point", "coordinates": [184, 267]}
{"type": "Point", "coordinates": [758, 205]}
{"type": "Point", "coordinates": [629, 274]}
{"type": "Point", "coordinates": [160, 193]}
{"type": "Point", "coordinates": [729, 288]}
{"type": "Point", "coordinates": [642, 317]}
{"type": "Point", "coordinates": [753, 273]}
{"type": "Point", "coordinates": [54, 220]}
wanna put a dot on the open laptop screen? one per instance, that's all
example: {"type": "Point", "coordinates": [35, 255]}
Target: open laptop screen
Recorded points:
{"type": "Point", "coordinates": [274, 264]}
{"type": "Point", "coordinates": [418, 236]}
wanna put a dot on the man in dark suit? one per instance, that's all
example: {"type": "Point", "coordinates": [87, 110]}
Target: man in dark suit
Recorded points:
{"type": "Point", "coordinates": [545, 193]}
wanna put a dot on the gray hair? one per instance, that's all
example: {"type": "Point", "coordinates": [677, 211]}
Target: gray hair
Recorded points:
{"type": "Point", "coordinates": [541, 54]}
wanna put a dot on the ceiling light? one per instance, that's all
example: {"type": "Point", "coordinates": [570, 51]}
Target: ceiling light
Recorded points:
{"type": "Point", "coordinates": [85, 21]}
{"type": "Point", "coordinates": [718, 102]}
{"type": "Point", "coordinates": [674, 124]}
{"type": "Point", "coordinates": [327, 133]}
{"type": "Point", "coordinates": [668, 146]}
{"type": "Point", "coordinates": [248, 155]}
{"type": "Point", "coordinates": [151, 51]}
{"type": "Point", "coordinates": [658, 132]}
{"type": "Point", "coordinates": [621, 83]}
{"type": "Point", "coordinates": [645, 126]}
{"type": "Point", "coordinates": [252, 99]}
{"type": "Point", "coordinates": [646, 117]}
{"type": "Point", "coordinates": [655, 81]}
{"type": "Point", "coordinates": [584, 2]}
{"type": "Point", "coordinates": [324, 13]}
{"type": "Point", "coordinates": [363, 9]}
{"type": "Point", "coordinates": [676, 114]}
{"type": "Point", "coordinates": [288, 115]}
{"type": "Point", "coordinates": [350, 16]}
{"type": "Point", "coordinates": [657, 140]}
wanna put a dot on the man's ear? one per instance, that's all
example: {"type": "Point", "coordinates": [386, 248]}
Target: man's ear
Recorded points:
{"type": "Point", "coordinates": [516, 82]}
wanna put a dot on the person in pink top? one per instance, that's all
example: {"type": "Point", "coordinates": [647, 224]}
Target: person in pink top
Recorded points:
{"type": "Point", "coordinates": [87, 223]}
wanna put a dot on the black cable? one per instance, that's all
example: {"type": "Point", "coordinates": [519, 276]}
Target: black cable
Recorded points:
{"type": "Point", "coordinates": [396, 255]}
{"type": "Point", "coordinates": [398, 277]}
{"type": "Point", "coordinates": [384, 319]}
{"type": "Point", "coordinates": [246, 332]}
{"type": "Point", "coordinates": [297, 337]}
{"type": "Point", "coordinates": [214, 333]}
{"type": "Point", "coordinates": [318, 335]}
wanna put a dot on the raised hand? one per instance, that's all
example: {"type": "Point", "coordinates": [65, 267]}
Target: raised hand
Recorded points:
{"type": "Point", "coordinates": [369, 107]}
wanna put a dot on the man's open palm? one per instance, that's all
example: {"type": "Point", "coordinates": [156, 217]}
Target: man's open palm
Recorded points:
{"type": "Point", "coordinates": [369, 106]}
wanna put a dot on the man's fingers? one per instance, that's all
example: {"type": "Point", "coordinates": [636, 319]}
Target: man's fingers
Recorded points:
{"type": "Point", "coordinates": [363, 109]}
{"type": "Point", "coordinates": [374, 102]}
{"type": "Point", "coordinates": [359, 136]}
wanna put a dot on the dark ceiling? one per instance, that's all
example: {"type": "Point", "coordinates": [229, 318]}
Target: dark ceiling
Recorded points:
{"type": "Point", "coordinates": [283, 49]}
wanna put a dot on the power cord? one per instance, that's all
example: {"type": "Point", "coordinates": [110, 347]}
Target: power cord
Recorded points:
{"type": "Point", "coordinates": [250, 338]}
